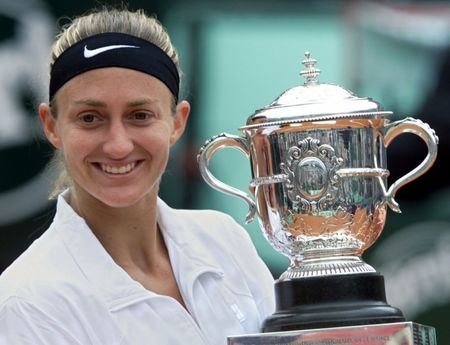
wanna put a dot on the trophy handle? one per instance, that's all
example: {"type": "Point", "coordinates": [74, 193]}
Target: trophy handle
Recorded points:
{"type": "Point", "coordinates": [428, 135]}
{"type": "Point", "coordinates": [208, 150]}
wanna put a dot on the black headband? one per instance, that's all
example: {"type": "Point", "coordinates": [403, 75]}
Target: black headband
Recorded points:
{"type": "Point", "coordinates": [114, 50]}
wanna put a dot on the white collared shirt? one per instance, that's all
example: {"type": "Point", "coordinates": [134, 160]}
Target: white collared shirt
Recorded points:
{"type": "Point", "coordinates": [66, 289]}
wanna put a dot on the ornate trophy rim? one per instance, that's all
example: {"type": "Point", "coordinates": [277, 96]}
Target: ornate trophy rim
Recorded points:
{"type": "Point", "coordinates": [320, 117]}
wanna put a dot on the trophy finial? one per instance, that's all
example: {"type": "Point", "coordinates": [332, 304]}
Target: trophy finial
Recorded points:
{"type": "Point", "coordinates": [310, 73]}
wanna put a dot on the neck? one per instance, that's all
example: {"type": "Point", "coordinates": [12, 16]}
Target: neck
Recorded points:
{"type": "Point", "coordinates": [132, 238]}
{"type": "Point", "coordinates": [130, 234]}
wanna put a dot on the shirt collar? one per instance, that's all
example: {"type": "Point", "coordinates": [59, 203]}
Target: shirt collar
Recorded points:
{"type": "Point", "coordinates": [179, 230]}
{"type": "Point", "coordinates": [109, 279]}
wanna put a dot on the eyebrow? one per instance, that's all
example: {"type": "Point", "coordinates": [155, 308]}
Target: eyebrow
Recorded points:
{"type": "Point", "coordinates": [97, 103]}
{"type": "Point", "coordinates": [141, 101]}
{"type": "Point", "coordinates": [90, 101]}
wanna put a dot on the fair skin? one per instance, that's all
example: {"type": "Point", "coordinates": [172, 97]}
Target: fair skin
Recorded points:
{"type": "Point", "coordinates": [115, 128]}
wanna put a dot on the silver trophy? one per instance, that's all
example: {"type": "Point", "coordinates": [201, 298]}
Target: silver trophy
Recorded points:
{"type": "Point", "coordinates": [320, 194]}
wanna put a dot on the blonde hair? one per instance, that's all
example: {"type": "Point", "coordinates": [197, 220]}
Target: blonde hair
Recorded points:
{"type": "Point", "coordinates": [99, 21]}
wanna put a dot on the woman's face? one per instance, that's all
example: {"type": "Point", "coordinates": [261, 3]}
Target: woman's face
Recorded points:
{"type": "Point", "coordinates": [115, 127]}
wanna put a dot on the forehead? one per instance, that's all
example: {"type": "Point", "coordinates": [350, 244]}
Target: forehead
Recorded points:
{"type": "Point", "coordinates": [113, 84]}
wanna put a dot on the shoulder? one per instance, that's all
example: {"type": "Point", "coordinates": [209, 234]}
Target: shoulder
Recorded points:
{"type": "Point", "coordinates": [200, 220]}
{"type": "Point", "coordinates": [210, 226]}
{"type": "Point", "coordinates": [218, 237]}
{"type": "Point", "coordinates": [46, 274]}
{"type": "Point", "coordinates": [44, 295]}
{"type": "Point", "coordinates": [33, 291]}
{"type": "Point", "coordinates": [40, 273]}
{"type": "Point", "coordinates": [49, 268]}
{"type": "Point", "coordinates": [211, 220]}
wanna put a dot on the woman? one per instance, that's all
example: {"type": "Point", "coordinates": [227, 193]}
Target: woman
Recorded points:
{"type": "Point", "coordinates": [117, 265]}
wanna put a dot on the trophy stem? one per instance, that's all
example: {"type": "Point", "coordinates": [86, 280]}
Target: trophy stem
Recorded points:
{"type": "Point", "coordinates": [316, 265]}
{"type": "Point", "coordinates": [331, 301]}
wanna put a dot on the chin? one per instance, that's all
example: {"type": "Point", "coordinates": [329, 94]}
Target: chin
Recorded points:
{"type": "Point", "coordinates": [118, 202]}
{"type": "Point", "coordinates": [119, 196]}
{"type": "Point", "coordinates": [123, 199]}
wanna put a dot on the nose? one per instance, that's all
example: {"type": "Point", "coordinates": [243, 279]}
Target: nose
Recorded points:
{"type": "Point", "coordinates": [118, 142]}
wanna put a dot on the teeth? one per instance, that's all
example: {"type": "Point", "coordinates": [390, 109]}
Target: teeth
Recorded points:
{"type": "Point", "coordinates": [118, 170]}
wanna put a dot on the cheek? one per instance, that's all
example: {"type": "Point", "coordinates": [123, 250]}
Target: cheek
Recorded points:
{"type": "Point", "coordinates": [158, 147]}
{"type": "Point", "coordinates": [76, 146]}
{"type": "Point", "coordinates": [158, 139]}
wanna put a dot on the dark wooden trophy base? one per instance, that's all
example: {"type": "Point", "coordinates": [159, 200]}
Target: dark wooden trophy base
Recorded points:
{"type": "Point", "coordinates": [331, 301]}
{"type": "Point", "coordinates": [341, 309]}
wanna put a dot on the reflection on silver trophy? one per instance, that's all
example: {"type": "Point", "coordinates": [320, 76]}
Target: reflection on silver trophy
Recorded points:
{"type": "Point", "coordinates": [320, 194]}
{"type": "Point", "coordinates": [318, 156]}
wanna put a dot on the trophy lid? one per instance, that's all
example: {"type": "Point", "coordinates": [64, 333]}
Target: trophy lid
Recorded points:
{"type": "Point", "coordinates": [314, 101]}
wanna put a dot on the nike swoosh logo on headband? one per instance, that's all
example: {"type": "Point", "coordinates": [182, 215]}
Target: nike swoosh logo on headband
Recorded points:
{"type": "Point", "coordinates": [88, 53]}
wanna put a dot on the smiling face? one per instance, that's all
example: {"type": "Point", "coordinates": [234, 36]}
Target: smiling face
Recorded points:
{"type": "Point", "coordinates": [114, 127]}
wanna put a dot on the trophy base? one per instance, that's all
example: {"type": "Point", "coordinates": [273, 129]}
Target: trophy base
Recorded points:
{"type": "Point", "coordinates": [401, 333]}
{"type": "Point", "coordinates": [331, 301]}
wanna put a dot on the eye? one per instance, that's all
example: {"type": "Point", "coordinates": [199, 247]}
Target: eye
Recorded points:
{"type": "Point", "coordinates": [88, 118]}
{"type": "Point", "coordinates": [142, 116]}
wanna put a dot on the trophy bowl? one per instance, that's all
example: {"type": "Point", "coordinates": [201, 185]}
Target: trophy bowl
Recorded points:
{"type": "Point", "coordinates": [319, 188]}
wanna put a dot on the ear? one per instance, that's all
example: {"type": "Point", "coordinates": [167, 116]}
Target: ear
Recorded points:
{"type": "Point", "coordinates": [180, 120]}
{"type": "Point", "coordinates": [48, 123]}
